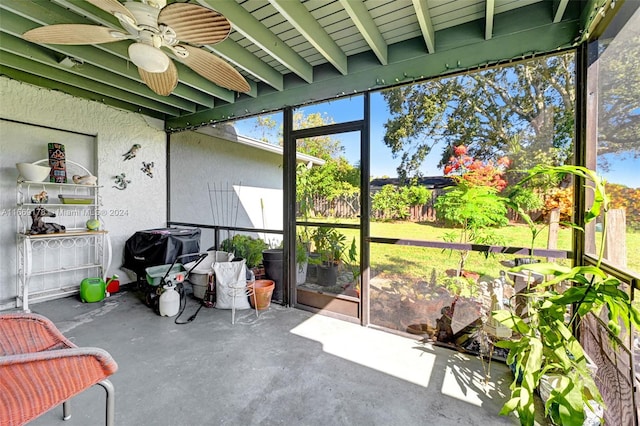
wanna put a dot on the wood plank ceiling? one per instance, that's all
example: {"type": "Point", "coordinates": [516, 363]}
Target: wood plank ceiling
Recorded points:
{"type": "Point", "coordinates": [293, 52]}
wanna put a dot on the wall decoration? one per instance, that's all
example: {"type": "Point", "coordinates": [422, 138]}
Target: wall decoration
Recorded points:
{"type": "Point", "coordinates": [147, 168]}
{"type": "Point", "coordinates": [121, 181]}
{"type": "Point", "coordinates": [132, 152]}
{"type": "Point", "coordinates": [39, 226]}
{"type": "Point", "coordinates": [57, 163]}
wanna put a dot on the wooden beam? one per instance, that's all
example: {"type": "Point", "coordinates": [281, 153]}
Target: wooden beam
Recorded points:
{"type": "Point", "coordinates": [254, 30]}
{"type": "Point", "coordinates": [303, 21]}
{"type": "Point", "coordinates": [38, 81]}
{"type": "Point", "coordinates": [426, 25]}
{"type": "Point", "coordinates": [114, 56]}
{"type": "Point", "coordinates": [361, 17]}
{"type": "Point", "coordinates": [20, 47]}
{"type": "Point", "coordinates": [489, 13]}
{"type": "Point", "coordinates": [559, 7]}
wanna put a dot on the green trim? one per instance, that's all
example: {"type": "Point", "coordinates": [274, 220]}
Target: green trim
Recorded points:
{"type": "Point", "coordinates": [488, 19]}
{"type": "Point", "coordinates": [34, 80]}
{"type": "Point", "coordinates": [34, 53]}
{"type": "Point", "coordinates": [69, 79]}
{"type": "Point", "coordinates": [559, 7]}
{"type": "Point", "coordinates": [238, 55]}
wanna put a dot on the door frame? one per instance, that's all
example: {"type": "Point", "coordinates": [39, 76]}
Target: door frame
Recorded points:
{"type": "Point", "coordinates": [340, 307]}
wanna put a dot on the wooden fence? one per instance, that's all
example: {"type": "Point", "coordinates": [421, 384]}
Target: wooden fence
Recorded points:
{"type": "Point", "coordinates": [349, 207]}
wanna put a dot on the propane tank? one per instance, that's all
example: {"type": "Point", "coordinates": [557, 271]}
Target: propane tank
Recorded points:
{"type": "Point", "coordinates": [169, 301]}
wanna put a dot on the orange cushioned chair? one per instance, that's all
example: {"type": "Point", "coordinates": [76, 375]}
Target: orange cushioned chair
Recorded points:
{"type": "Point", "coordinates": [40, 368]}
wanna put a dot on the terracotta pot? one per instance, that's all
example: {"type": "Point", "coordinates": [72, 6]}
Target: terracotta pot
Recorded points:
{"type": "Point", "coordinates": [260, 295]}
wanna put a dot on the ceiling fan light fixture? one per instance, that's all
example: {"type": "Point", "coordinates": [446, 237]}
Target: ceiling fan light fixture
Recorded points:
{"type": "Point", "coordinates": [149, 58]}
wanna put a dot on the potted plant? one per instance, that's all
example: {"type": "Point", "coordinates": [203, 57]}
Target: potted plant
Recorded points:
{"type": "Point", "coordinates": [331, 246]}
{"type": "Point", "coordinates": [304, 199]}
{"type": "Point", "coordinates": [545, 349]}
{"type": "Point", "coordinates": [302, 260]}
{"type": "Point", "coordinates": [245, 247]}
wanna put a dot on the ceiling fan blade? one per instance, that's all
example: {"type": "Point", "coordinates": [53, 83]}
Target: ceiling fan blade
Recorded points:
{"type": "Point", "coordinates": [195, 24]}
{"type": "Point", "coordinates": [162, 83]}
{"type": "Point", "coordinates": [72, 34]}
{"type": "Point", "coordinates": [213, 68]}
{"type": "Point", "coordinates": [112, 6]}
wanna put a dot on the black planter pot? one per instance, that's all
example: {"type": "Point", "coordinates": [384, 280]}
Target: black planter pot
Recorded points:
{"type": "Point", "coordinates": [327, 274]}
{"type": "Point", "coordinates": [312, 268]}
{"type": "Point", "coordinates": [272, 260]}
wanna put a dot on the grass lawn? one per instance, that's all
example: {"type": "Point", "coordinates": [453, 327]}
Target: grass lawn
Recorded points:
{"type": "Point", "coordinates": [396, 260]}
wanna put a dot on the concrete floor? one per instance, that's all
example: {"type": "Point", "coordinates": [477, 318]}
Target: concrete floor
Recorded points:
{"type": "Point", "coordinates": [287, 367]}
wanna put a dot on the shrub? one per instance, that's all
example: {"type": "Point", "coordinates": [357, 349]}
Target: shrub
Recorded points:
{"type": "Point", "coordinates": [393, 203]}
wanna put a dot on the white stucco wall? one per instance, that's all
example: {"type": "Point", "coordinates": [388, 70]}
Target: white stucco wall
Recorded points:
{"type": "Point", "coordinates": [200, 163]}
{"type": "Point", "coordinates": [141, 206]}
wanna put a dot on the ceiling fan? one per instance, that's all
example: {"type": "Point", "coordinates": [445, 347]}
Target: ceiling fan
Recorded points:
{"type": "Point", "coordinates": [156, 28]}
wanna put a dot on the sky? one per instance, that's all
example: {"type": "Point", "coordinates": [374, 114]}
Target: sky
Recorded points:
{"type": "Point", "coordinates": [624, 169]}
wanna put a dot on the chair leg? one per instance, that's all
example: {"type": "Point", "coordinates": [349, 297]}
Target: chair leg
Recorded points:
{"type": "Point", "coordinates": [255, 302]}
{"type": "Point", "coordinates": [66, 410]}
{"type": "Point", "coordinates": [233, 307]}
{"type": "Point", "coordinates": [111, 403]}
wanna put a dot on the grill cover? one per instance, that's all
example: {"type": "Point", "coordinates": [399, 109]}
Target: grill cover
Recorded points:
{"type": "Point", "coordinates": [153, 247]}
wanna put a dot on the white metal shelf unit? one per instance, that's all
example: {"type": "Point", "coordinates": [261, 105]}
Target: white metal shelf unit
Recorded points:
{"type": "Point", "coordinates": [53, 265]}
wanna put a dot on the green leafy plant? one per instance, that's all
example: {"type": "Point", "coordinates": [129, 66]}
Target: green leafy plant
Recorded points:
{"type": "Point", "coordinates": [545, 343]}
{"type": "Point", "coordinates": [473, 204]}
{"type": "Point", "coordinates": [246, 247]}
{"type": "Point", "coordinates": [473, 209]}
{"type": "Point", "coordinates": [332, 245]}
{"type": "Point", "coordinates": [302, 251]}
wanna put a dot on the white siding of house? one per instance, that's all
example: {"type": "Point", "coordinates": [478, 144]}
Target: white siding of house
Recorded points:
{"type": "Point", "coordinates": [202, 162]}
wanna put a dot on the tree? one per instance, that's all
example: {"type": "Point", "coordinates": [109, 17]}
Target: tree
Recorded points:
{"type": "Point", "coordinates": [532, 102]}
{"type": "Point", "coordinates": [619, 92]}
{"type": "Point", "coordinates": [324, 147]}
{"type": "Point", "coordinates": [337, 177]}
{"type": "Point", "coordinates": [473, 204]}
{"type": "Point", "coordinates": [266, 124]}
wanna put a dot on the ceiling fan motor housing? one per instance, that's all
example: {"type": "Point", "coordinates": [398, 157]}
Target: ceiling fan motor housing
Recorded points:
{"type": "Point", "coordinates": [146, 16]}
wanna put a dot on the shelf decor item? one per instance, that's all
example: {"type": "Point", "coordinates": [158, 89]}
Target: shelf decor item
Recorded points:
{"type": "Point", "coordinates": [75, 199]}
{"type": "Point", "coordinates": [32, 172]}
{"type": "Point", "coordinates": [84, 180]}
{"type": "Point", "coordinates": [57, 162]}
{"type": "Point", "coordinates": [39, 226]}
{"type": "Point", "coordinates": [40, 198]}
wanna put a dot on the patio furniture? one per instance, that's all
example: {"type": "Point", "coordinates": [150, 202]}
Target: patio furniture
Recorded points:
{"type": "Point", "coordinates": [40, 368]}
